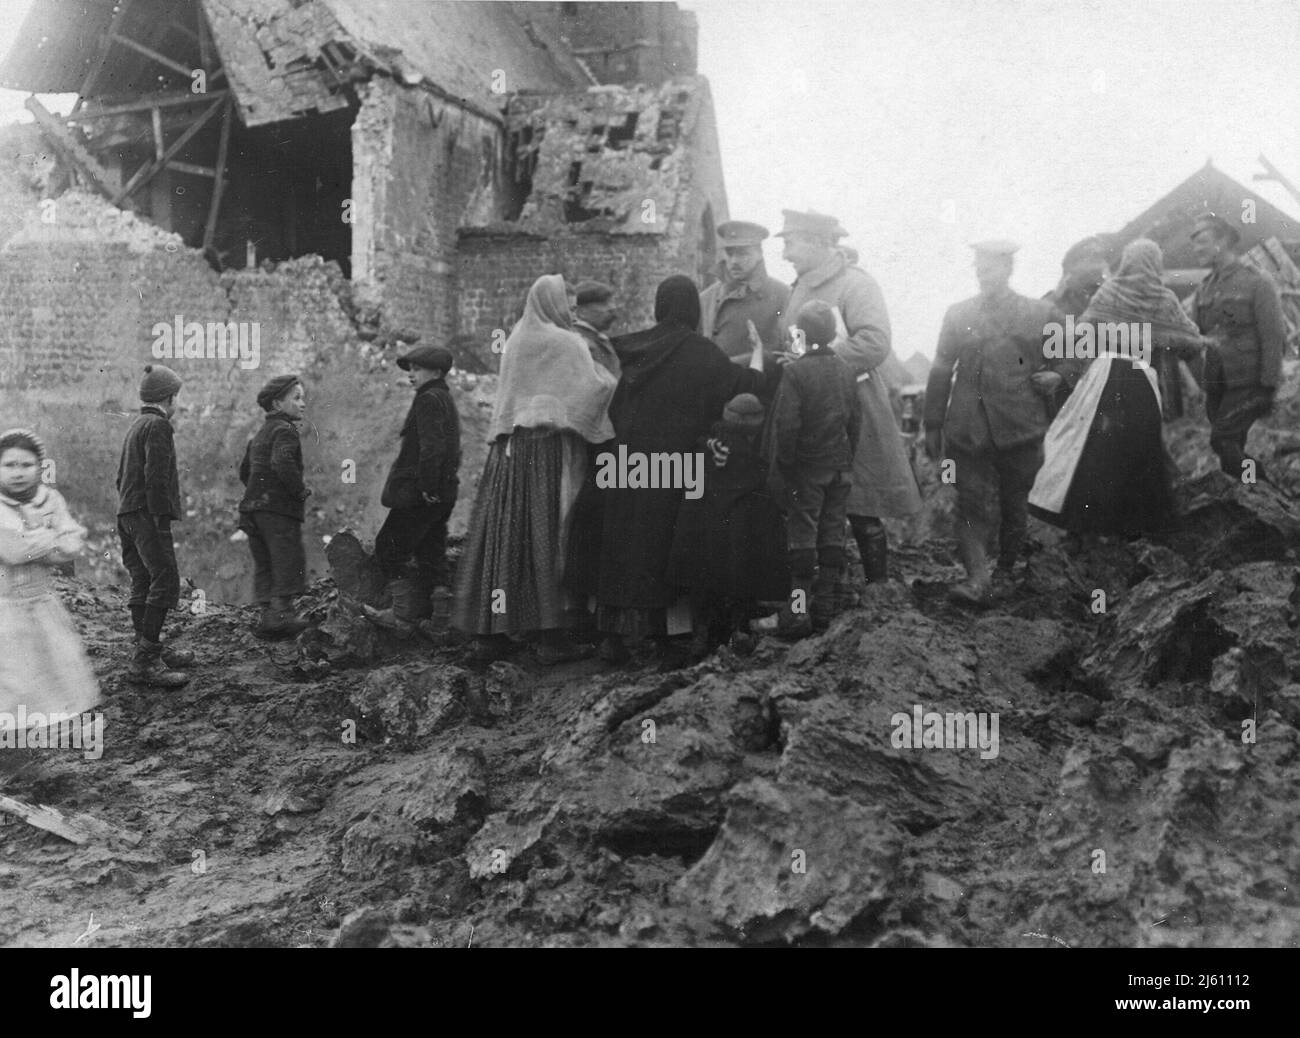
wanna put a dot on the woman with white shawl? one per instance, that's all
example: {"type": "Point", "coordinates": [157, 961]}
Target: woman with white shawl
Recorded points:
{"type": "Point", "coordinates": [552, 399]}
{"type": "Point", "coordinates": [1105, 469]}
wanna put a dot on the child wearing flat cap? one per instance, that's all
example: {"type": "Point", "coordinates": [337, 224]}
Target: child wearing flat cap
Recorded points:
{"type": "Point", "coordinates": [149, 501]}
{"type": "Point", "coordinates": [271, 512]}
{"type": "Point", "coordinates": [420, 493]}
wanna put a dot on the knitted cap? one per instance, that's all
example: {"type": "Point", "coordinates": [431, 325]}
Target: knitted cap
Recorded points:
{"type": "Point", "coordinates": [817, 321]}
{"type": "Point", "coordinates": [744, 411]}
{"type": "Point", "coordinates": [158, 384]}
{"type": "Point", "coordinates": [24, 438]}
{"type": "Point", "coordinates": [276, 388]}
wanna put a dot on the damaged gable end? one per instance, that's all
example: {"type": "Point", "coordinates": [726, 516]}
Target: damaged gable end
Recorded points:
{"type": "Point", "coordinates": [613, 158]}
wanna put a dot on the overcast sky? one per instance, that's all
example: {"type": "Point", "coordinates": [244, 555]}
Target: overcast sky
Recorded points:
{"type": "Point", "coordinates": [926, 124]}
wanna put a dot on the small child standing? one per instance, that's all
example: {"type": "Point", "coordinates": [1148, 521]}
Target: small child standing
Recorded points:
{"type": "Point", "coordinates": [729, 544]}
{"type": "Point", "coordinates": [271, 512]}
{"type": "Point", "coordinates": [420, 494]}
{"type": "Point", "coordinates": [816, 419]}
{"type": "Point", "coordinates": [149, 501]}
{"type": "Point", "coordinates": [43, 668]}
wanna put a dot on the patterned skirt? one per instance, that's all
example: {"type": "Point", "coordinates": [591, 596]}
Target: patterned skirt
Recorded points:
{"type": "Point", "coordinates": [508, 578]}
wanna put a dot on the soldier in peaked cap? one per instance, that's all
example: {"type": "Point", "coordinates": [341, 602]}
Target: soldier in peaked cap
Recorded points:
{"type": "Point", "coordinates": [744, 293]}
{"type": "Point", "coordinates": [883, 483]}
{"type": "Point", "coordinates": [992, 418]}
{"type": "Point", "coordinates": [1240, 309]}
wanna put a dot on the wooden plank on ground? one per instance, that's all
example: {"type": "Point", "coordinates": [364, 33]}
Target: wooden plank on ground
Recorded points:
{"type": "Point", "coordinates": [77, 828]}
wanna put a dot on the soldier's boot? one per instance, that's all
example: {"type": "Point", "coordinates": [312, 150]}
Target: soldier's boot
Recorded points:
{"type": "Point", "coordinates": [873, 547]}
{"type": "Point", "coordinates": [147, 667]}
{"type": "Point", "coordinates": [973, 550]}
{"type": "Point", "coordinates": [399, 617]}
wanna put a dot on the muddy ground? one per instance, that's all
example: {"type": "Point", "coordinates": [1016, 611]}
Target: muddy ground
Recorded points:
{"type": "Point", "coordinates": [357, 790]}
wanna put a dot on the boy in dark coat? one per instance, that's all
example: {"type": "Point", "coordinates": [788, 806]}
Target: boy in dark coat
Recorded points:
{"type": "Point", "coordinates": [729, 546]}
{"type": "Point", "coordinates": [149, 500]}
{"type": "Point", "coordinates": [271, 512]}
{"type": "Point", "coordinates": [421, 492]}
{"type": "Point", "coordinates": [816, 419]}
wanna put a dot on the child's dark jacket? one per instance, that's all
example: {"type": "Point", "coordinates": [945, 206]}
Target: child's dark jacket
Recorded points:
{"type": "Point", "coordinates": [147, 479]}
{"type": "Point", "coordinates": [429, 457]}
{"type": "Point", "coordinates": [817, 414]}
{"type": "Point", "coordinates": [272, 469]}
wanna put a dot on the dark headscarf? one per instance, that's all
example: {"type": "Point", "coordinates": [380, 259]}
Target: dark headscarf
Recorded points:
{"type": "Point", "coordinates": [677, 311]}
{"type": "Point", "coordinates": [677, 301]}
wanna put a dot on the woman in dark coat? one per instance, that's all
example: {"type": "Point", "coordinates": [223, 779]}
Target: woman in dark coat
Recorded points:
{"type": "Point", "coordinates": [673, 387]}
{"type": "Point", "coordinates": [1105, 471]}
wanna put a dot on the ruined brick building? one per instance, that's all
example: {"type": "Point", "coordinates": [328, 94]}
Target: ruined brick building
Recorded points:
{"type": "Point", "coordinates": [443, 154]}
{"type": "Point", "coordinates": [346, 174]}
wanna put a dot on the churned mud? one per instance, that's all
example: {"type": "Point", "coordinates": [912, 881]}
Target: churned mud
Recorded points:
{"type": "Point", "coordinates": [353, 789]}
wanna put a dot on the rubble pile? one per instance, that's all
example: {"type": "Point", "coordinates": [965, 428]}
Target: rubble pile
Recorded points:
{"type": "Point", "coordinates": [351, 789]}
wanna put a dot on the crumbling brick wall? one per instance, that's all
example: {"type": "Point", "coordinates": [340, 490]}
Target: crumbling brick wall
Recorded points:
{"type": "Point", "coordinates": [420, 166]}
{"type": "Point", "coordinates": [494, 273]}
{"type": "Point", "coordinates": [78, 301]}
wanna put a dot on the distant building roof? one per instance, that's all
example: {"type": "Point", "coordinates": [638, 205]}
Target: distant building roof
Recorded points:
{"type": "Point", "coordinates": [1169, 221]}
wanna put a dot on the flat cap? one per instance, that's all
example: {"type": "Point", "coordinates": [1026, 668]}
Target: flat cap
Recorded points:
{"type": "Point", "coordinates": [431, 358]}
{"type": "Point", "coordinates": [274, 389]}
{"type": "Point", "coordinates": [996, 246]}
{"type": "Point", "coordinates": [741, 232]}
{"type": "Point", "coordinates": [1217, 224]}
{"type": "Point", "coordinates": [818, 224]}
{"type": "Point", "coordinates": [593, 292]}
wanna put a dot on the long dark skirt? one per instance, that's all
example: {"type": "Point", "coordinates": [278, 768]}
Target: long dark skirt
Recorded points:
{"type": "Point", "coordinates": [1121, 485]}
{"type": "Point", "coordinates": [731, 544]}
{"type": "Point", "coordinates": [509, 573]}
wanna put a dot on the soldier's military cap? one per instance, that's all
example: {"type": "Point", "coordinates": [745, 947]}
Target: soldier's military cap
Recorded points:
{"type": "Point", "coordinates": [741, 232]}
{"type": "Point", "coordinates": [431, 358]}
{"type": "Point", "coordinates": [593, 292]}
{"type": "Point", "coordinates": [996, 246]}
{"type": "Point", "coordinates": [1217, 224]}
{"type": "Point", "coordinates": [818, 224]}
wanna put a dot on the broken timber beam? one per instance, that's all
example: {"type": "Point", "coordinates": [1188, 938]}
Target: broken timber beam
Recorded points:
{"type": "Point", "coordinates": [219, 187]}
{"type": "Point", "coordinates": [144, 175]}
{"type": "Point", "coordinates": [156, 116]}
{"type": "Point", "coordinates": [149, 52]}
{"type": "Point", "coordinates": [191, 168]}
{"type": "Point", "coordinates": [104, 180]}
{"type": "Point", "coordinates": [147, 102]}
{"type": "Point", "coordinates": [78, 828]}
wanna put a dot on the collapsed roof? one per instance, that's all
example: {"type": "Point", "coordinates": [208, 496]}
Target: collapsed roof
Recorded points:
{"type": "Point", "coordinates": [285, 58]}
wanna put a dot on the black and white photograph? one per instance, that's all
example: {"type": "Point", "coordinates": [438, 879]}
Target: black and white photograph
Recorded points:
{"type": "Point", "coordinates": [705, 474]}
